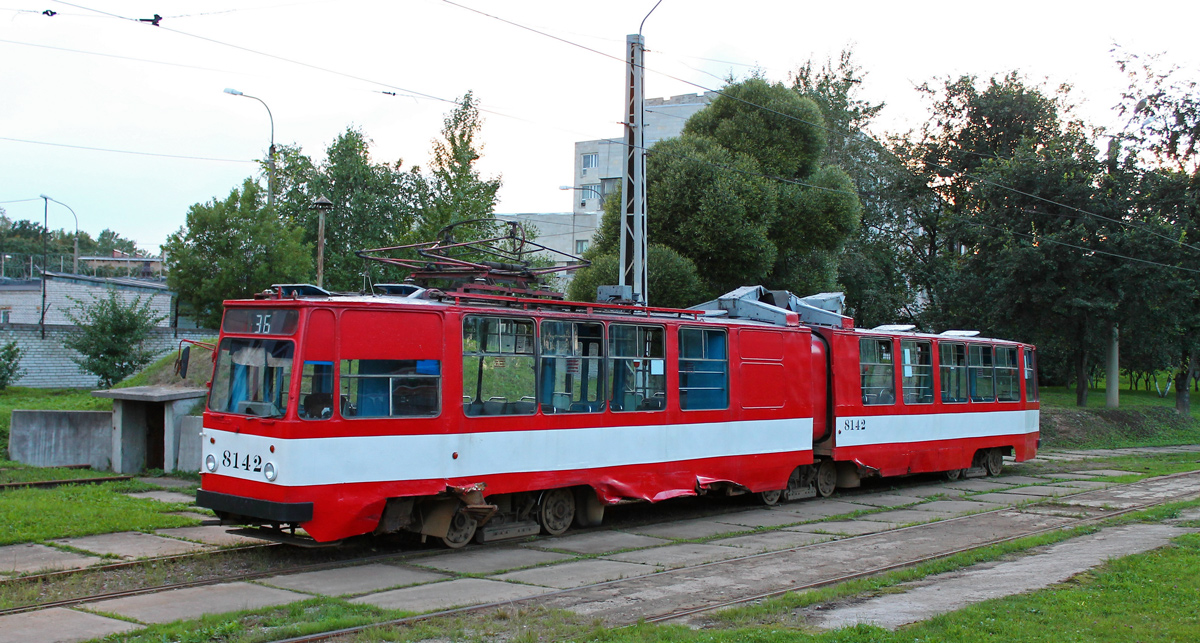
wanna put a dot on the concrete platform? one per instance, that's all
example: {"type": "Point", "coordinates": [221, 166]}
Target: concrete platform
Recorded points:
{"type": "Point", "coordinates": [760, 518]}
{"type": "Point", "coordinates": [908, 516]}
{"type": "Point", "coordinates": [681, 555]}
{"type": "Point", "coordinates": [489, 560]}
{"type": "Point", "coordinates": [23, 559]}
{"type": "Point", "coordinates": [215, 535]}
{"type": "Point", "coordinates": [1015, 480]}
{"type": "Point", "coordinates": [957, 507]}
{"type": "Point", "coordinates": [59, 625]}
{"type": "Point", "coordinates": [688, 529]}
{"type": "Point", "coordinates": [1108, 473]}
{"type": "Point", "coordinates": [1004, 497]}
{"type": "Point", "coordinates": [360, 579]}
{"type": "Point", "coordinates": [194, 602]}
{"type": "Point", "coordinates": [1081, 484]}
{"type": "Point", "coordinates": [597, 542]}
{"type": "Point", "coordinates": [1068, 476]}
{"type": "Point", "coordinates": [979, 484]}
{"type": "Point", "coordinates": [165, 496]}
{"type": "Point", "coordinates": [929, 490]}
{"type": "Point", "coordinates": [131, 544]}
{"type": "Point", "coordinates": [817, 509]}
{"type": "Point", "coordinates": [455, 593]}
{"type": "Point", "coordinates": [578, 573]}
{"type": "Point", "coordinates": [887, 500]}
{"type": "Point", "coordinates": [845, 527]}
{"type": "Point", "coordinates": [772, 540]}
{"type": "Point", "coordinates": [1043, 491]}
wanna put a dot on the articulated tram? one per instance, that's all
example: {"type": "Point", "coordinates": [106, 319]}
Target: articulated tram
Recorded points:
{"type": "Point", "coordinates": [461, 415]}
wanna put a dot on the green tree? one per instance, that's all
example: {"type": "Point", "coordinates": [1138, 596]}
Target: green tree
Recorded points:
{"type": "Point", "coordinates": [231, 249]}
{"type": "Point", "coordinates": [10, 364]}
{"type": "Point", "coordinates": [111, 336]}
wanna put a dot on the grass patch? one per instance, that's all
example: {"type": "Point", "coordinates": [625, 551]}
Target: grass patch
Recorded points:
{"type": "Point", "coordinates": [161, 372]}
{"type": "Point", "coordinates": [33, 515]}
{"type": "Point", "coordinates": [17, 472]}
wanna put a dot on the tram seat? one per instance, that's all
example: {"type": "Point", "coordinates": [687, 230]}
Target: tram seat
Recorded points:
{"type": "Point", "coordinates": [653, 404]}
{"type": "Point", "coordinates": [520, 408]}
{"type": "Point", "coordinates": [494, 406]}
{"type": "Point", "coordinates": [317, 405]}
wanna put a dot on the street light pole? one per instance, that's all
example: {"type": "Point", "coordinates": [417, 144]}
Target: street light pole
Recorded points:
{"type": "Point", "coordinates": [271, 150]}
{"type": "Point", "coordinates": [75, 262]}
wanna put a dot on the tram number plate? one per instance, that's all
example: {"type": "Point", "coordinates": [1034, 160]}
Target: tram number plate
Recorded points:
{"type": "Point", "coordinates": [854, 425]}
{"type": "Point", "coordinates": [244, 461]}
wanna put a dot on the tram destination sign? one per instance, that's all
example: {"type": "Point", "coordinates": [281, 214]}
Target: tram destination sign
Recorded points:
{"type": "Point", "coordinates": [260, 321]}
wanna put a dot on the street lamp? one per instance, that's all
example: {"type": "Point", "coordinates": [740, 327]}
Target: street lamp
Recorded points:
{"type": "Point", "coordinates": [321, 205]}
{"type": "Point", "coordinates": [271, 152]}
{"type": "Point", "coordinates": [75, 262]}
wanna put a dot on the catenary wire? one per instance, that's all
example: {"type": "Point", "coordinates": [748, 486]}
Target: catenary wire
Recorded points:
{"type": "Point", "coordinates": [105, 149]}
{"type": "Point", "coordinates": [1044, 239]}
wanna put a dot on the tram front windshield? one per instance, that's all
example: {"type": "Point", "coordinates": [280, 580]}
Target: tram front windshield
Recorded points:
{"type": "Point", "coordinates": [252, 377]}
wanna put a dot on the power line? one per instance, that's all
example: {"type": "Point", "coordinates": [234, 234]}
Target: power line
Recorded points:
{"type": "Point", "coordinates": [1081, 248]}
{"type": "Point", "coordinates": [97, 53]}
{"type": "Point", "coordinates": [105, 149]}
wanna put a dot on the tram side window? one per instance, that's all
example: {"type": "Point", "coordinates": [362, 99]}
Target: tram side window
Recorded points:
{"type": "Point", "coordinates": [917, 376]}
{"type": "Point", "coordinates": [1031, 387]}
{"type": "Point", "coordinates": [981, 373]}
{"type": "Point", "coordinates": [572, 359]}
{"type": "Point", "coordinates": [316, 391]}
{"type": "Point", "coordinates": [878, 371]}
{"type": "Point", "coordinates": [636, 368]}
{"type": "Point", "coordinates": [703, 369]}
{"type": "Point", "coordinates": [373, 388]}
{"type": "Point", "coordinates": [1008, 387]}
{"type": "Point", "coordinates": [498, 366]}
{"type": "Point", "coordinates": [952, 360]}
{"type": "Point", "coordinates": [252, 377]}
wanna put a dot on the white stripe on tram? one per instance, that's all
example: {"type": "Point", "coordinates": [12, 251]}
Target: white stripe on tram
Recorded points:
{"type": "Point", "coordinates": [323, 461]}
{"type": "Point", "coordinates": [853, 431]}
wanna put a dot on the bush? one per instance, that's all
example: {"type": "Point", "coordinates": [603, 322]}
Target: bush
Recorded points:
{"type": "Point", "coordinates": [111, 336]}
{"type": "Point", "coordinates": [10, 364]}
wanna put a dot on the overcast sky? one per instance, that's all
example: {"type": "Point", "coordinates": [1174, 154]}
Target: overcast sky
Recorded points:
{"type": "Point", "coordinates": [92, 76]}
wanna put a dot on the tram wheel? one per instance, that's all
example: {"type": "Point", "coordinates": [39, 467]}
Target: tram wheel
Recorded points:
{"type": "Point", "coordinates": [462, 529]}
{"type": "Point", "coordinates": [993, 461]}
{"type": "Point", "coordinates": [770, 498]}
{"type": "Point", "coordinates": [826, 478]}
{"type": "Point", "coordinates": [556, 511]}
{"type": "Point", "coordinates": [953, 474]}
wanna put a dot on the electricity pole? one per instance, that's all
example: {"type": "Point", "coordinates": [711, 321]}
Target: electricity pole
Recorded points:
{"type": "Point", "coordinates": [633, 217]}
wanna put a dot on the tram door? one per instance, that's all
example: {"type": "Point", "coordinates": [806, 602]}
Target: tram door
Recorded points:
{"type": "Point", "coordinates": [316, 379]}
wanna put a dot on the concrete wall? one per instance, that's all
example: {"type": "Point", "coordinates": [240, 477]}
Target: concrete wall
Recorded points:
{"type": "Point", "coordinates": [24, 299]}
{"type": "Point", "coordinates": [48, 363]}
{"type": "Point", "coordinates": [188, 440]}
{"type": "Point", "coordinates": [56, 438]}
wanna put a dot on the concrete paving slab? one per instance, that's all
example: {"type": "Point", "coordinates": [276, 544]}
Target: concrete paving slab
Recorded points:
{"type": "Point", "coordinates": [23, 559]}
{"type": "Point", "coordinates": [578, 573]}
{"type": "Point", "coordinates": [948, 592]}
{"type": "Point", "coordinates": [886, 500]}
{"type": "Point", "coordinates": [169, 483]}
{"type": "Point", "coordinates": [845, 527]}
{"type": "Point", "coordinates": [489, 560]}
{"type": "Point", "coordinates": [908, 516]}
{"type": "Point", "coordinates": [1058, 457]}
{"type": "Point", "coordinates": [194, 602]}
{"type": "Point", "coordinates": [131, 544]}
{"type": "Point", "coordinates": [761, 518]}
{"type": "Point", "coordinates": [209, 535]}
{"type": "Point", "coordinates": [680, 555]}
{"type": "Point", "coordinates": [59, 625]}
{"type": "Point", "coordinates": [957, 507]}
{"type": "Point", "coordinates": [1043, 491]}
{"type": "Point", "coordinates": [1005, 498]}
{"type": "Point", "coordinates": [1061, 510]}
{"type": "Point", "coordinates": [359, 579]}
{"type": "Point", "coordinates": [1107, 473]}
{"type": "Point", "coordinates": [1101, 503]}
{"type": "Point", "coordinates": [688, 529]}
{"type": "Point", "coordinates": [772, 540]}
{"type": "Point", "coordinates": [925, 491]}
{"type": "Point", "coordinates": [979, 484]}
{"type": "Point", "coordinates": [1081, 484]}
{"type": "Point", "coordinates": [817, 509]}
{"type": "Point", "coordinates": [455, 593]}
{"type": "Point", "coordinates": [1015, 480]}
{"type": "Point", "coordinates": [597, 542]}
{"type": "Point", "coordinates": [165, 496]}
{"type": "Point", "coordinates": [1068, 476]}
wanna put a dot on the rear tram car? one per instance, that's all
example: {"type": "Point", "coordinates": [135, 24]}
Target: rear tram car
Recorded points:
{"type": "Point", "coordinates": [461, 415]}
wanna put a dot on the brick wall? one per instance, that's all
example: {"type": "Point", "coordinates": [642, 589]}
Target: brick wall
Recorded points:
{"type": "Point", "coordinates": [48, 363]}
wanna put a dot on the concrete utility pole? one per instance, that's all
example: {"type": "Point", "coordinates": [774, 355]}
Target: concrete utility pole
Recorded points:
{"type": "Point", "coordinates": [1112, 386]}
{"type": "Point", "coordinates": [633, 217]}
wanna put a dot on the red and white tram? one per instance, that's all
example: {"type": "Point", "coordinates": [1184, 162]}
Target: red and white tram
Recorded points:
{"type": "Point", "coordinates": [458, 415]}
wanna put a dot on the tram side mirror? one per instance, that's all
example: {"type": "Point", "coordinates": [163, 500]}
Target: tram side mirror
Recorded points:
{"type": "Point", "coordinates": [181, 362]}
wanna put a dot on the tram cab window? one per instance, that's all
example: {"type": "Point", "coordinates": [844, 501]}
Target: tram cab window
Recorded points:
{"type": "Point", "coordinates": [703, 369]}
{"type": "Point", "coordinates": [390, 388]}
{"type": "Point", "coordinates": [952, 364]}
{"type": "Point", "coordinates": [498, 366]}
{"type": "Point", "coordinates": [637, 379]}
{"type": "Point", "coordinates": [876, 364]}
{"type": "Point", "coordinates": [916, 357]}
{"type": "Point", "coordinates": [316, 391]}
{"type": "Point", "coordinates": [981, 373]}
{"type": "Point", "coordinates": [252, 377]}
{"type": "Point", "coordinates": [1008, 386]}
{"type": "Point", "coordinates": [572, 363]}
{"type": "Point", "coordinates": [1031, 388]}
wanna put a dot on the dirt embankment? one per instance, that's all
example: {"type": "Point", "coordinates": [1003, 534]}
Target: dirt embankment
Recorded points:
{"type": "Point", "coordinates": [1094, 428]}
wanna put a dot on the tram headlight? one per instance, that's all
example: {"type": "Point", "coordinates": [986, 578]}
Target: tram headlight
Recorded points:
{"type": "Point", "coordinates": [210, 463]}
{"type": "Point", "coordinates": [269, 471]}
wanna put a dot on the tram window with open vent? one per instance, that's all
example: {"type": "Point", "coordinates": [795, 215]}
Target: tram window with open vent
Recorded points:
{"type": "Point", "coordinates": [1031, 387]}
{"type": "Point", "coordinates": [1008, 384]}
{"type": "Point", "coordinates": [636, 368]}
{"type": "Point", "coordinates": [391, 387]}
{"type": "Point", "coordinates": [703, 369]}
{"type": "Point", "coordinates": [952, 364]}
{"type": "Point", "coordinates": [917, 375]}
{"type": "Point", "coordinates": [498, 366]}
{"type": "Point", "coordinates": [572, 363]}
{"type": "Point", "coordinates": [981, 373]}
{"type": "Point", "coordinates": [877, 365]}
